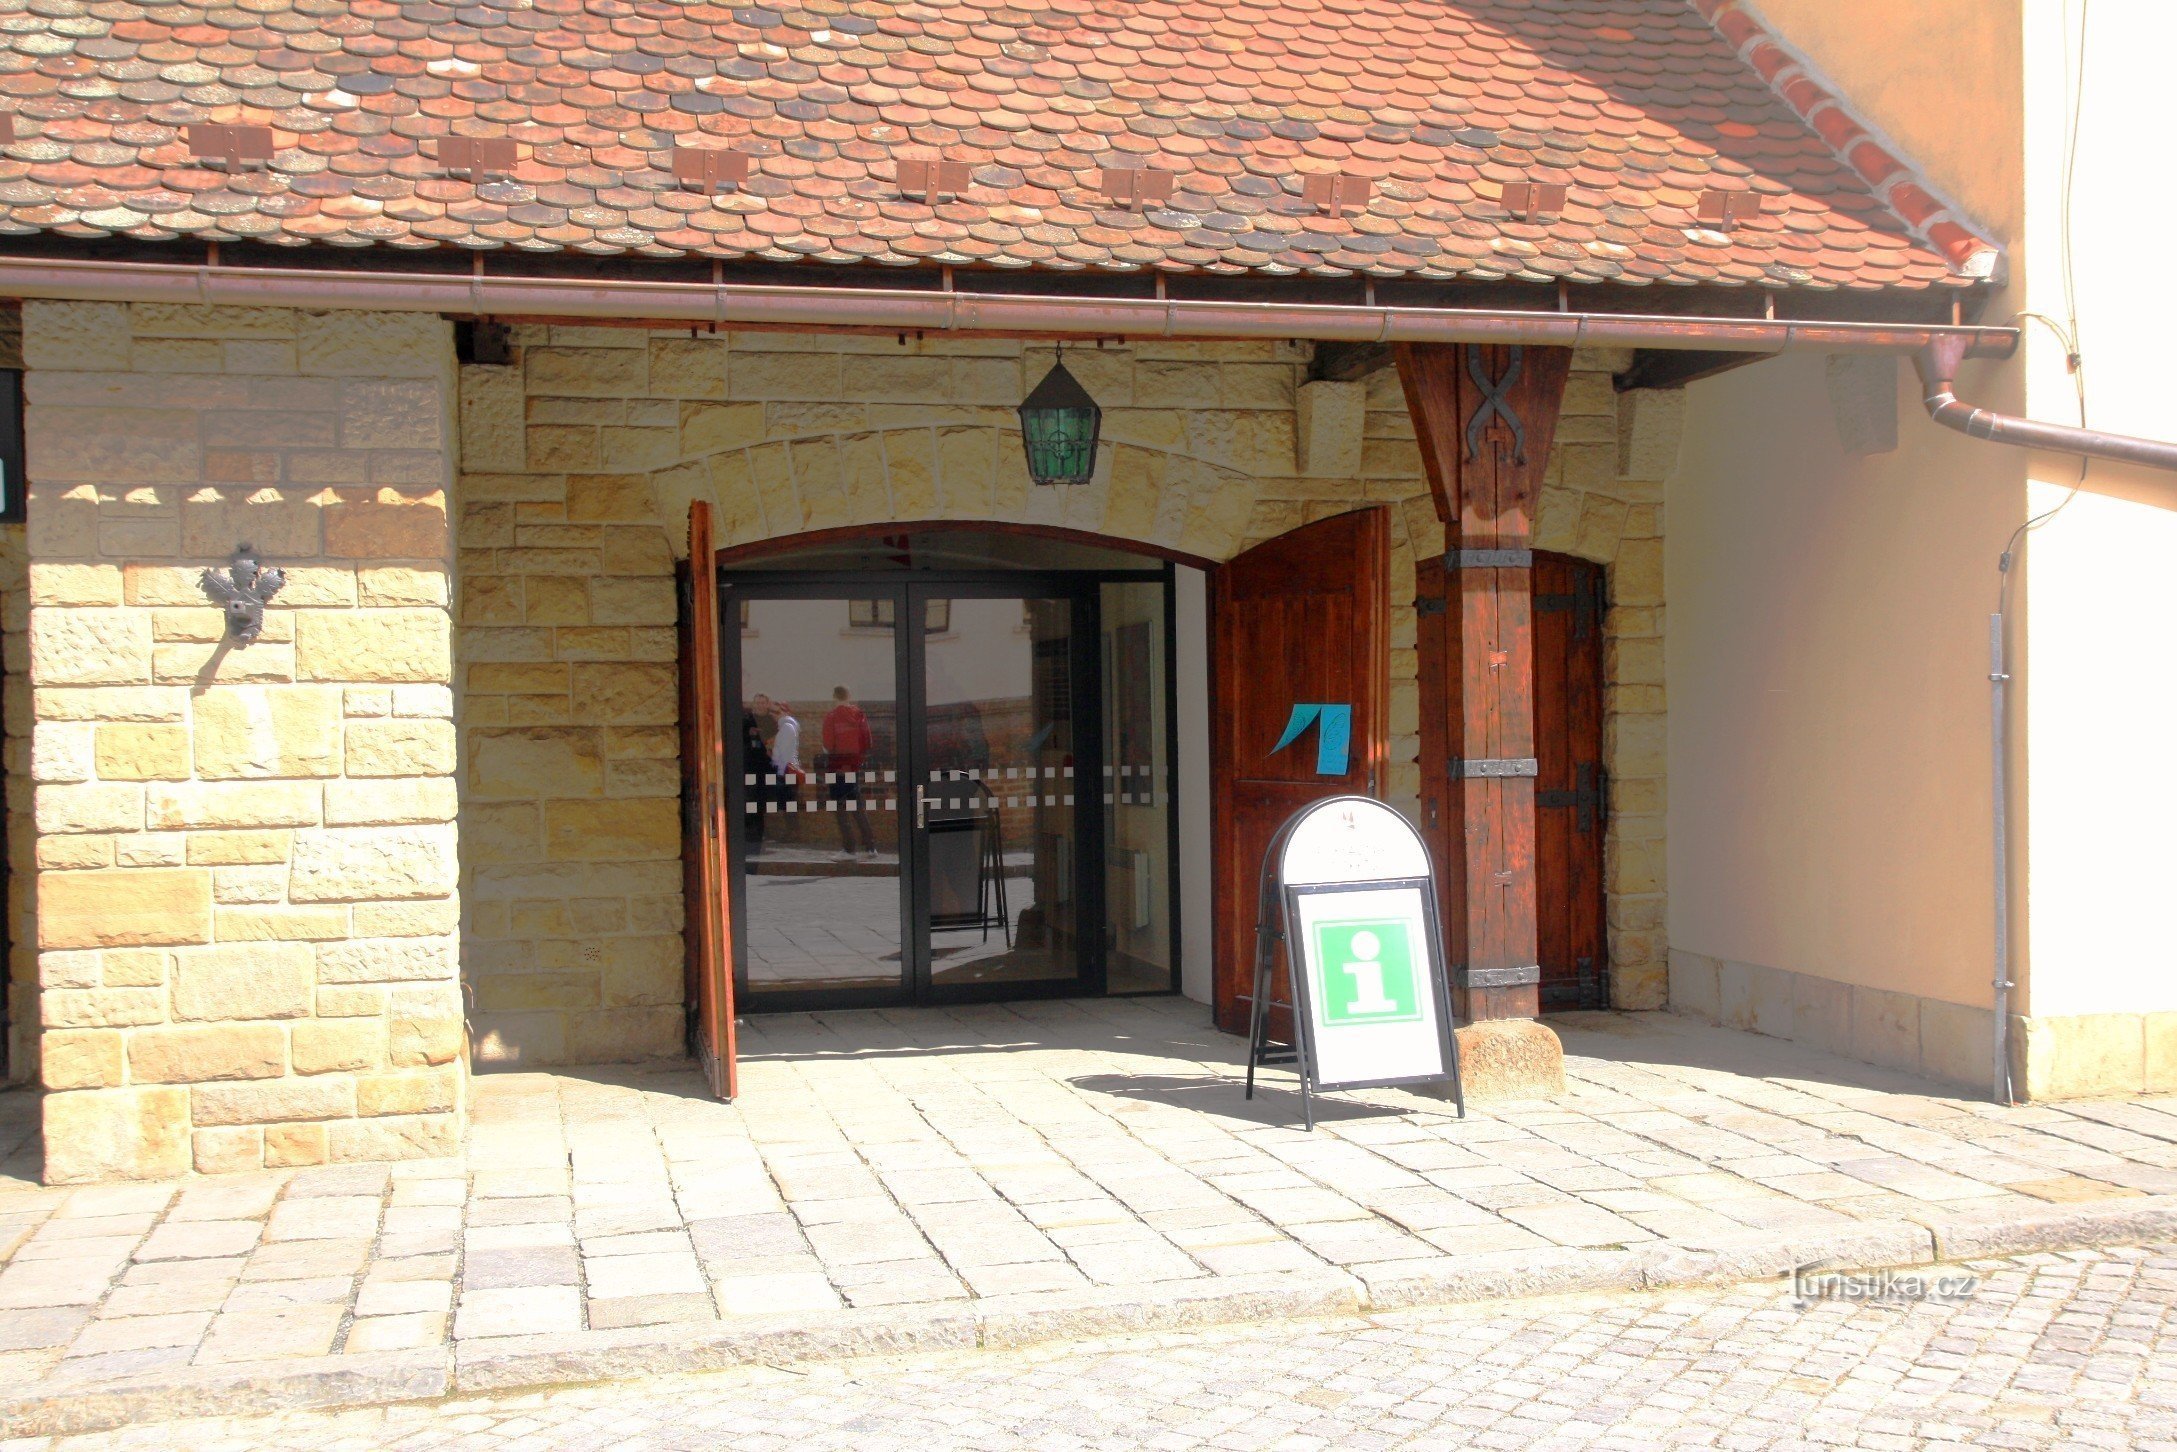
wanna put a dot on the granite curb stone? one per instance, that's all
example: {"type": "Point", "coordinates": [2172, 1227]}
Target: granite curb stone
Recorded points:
{"type": "Point", "coordinates": [364, 1379]}
{"type": "Point", "coordinates": [1001, 1322]}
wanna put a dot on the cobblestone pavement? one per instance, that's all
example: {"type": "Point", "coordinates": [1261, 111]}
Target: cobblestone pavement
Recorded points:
{"type": "Point", "coordinates": [883, 1160]}
{"type": "Point", "coordinates": [2073, 1350]}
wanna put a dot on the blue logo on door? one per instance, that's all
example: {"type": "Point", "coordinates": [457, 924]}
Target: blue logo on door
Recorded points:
{"type": "Point", "coordinates": [1333, 736]}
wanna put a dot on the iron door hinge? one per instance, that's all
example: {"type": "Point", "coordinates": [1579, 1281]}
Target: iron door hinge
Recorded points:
{"type": "Point", "coordinates": [1585, 602]}
{"type": "Point", "coordinates": [1589, 796]}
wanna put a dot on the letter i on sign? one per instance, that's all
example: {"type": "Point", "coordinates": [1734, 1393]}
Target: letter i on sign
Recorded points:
{"type": "Point", "coordinates": [1366, 970]}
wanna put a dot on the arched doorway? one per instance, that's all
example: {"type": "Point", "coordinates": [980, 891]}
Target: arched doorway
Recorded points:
{"type": "Point", "coordinates": [951, 768]}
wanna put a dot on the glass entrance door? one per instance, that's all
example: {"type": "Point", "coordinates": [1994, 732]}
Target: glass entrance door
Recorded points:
{"type": "Point", "coordinates": [814, 681]}
{"type": "Point", "coordinates": [907, 772]}
{"type": "Point", "coordinates": [1003, 742]}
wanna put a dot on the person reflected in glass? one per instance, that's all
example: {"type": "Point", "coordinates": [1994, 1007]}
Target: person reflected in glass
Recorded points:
{"type": "Point", "coordinates": [847, 743]}
{"type": "Point", "coordinates": [756, 778]}
{"type": "Point", "coordinates": [784, 751]}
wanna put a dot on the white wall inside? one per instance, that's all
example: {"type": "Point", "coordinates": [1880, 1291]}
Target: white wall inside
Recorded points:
{"type": "Point", "coordinates": [1190, 618]}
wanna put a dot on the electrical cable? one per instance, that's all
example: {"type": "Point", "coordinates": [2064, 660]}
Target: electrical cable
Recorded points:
{"type": "Point", "coordinates": [2067, 332]}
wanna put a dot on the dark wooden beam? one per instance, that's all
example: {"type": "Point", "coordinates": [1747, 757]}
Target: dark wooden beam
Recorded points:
{"type": "Point", "coordinates": [1677, 367]}
{"type": "Point", "coordinates": [1484, 417]}
{"type": "Point", "coordinates": [1348, 362]}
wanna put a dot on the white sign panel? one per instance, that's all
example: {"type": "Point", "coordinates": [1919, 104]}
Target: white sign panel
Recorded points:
{"type": "Point", "coordinates": [1351, 839]}
{"type": "Point", "coordinates": [1368, 957]}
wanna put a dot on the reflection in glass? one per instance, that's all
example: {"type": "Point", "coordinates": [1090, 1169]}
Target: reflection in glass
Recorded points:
{"type": "Point", "coordinates": [997, 801]}
{"type": "Point", "coordinates": [820, 783]}
{"type": "Point", "coordinates": [1137, 790]}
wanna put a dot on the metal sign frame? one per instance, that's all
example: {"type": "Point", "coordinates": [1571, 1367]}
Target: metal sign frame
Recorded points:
{"type": "Point", "coordinates": [1277, 919]}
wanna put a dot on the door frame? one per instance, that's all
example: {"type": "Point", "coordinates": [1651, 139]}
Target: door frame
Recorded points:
{"type": "Point", "coordinates": [915, 986]}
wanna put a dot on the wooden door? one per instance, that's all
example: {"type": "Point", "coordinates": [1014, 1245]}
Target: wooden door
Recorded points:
{"type": "Point", "coordinates": [1303, 619]}
{"type": "Point", "coordinates": [1571, 791]}
{"type": "Point", "coordinates": [703, 844]}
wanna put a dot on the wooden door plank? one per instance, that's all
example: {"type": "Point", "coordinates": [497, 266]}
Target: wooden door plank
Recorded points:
{"type": "Point", "coordinates": [1571, 818]}
{"type": "Point", "coordinates": [1303, 618]}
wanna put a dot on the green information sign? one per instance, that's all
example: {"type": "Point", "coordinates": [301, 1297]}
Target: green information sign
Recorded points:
{"type": "Point", "coordinates": [1349, 896]}
{"type": "Point", "coordinates": [1365, 967]}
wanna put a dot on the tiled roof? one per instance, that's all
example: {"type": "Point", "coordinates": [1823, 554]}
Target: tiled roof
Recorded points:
{"type": "Point", "coordinates": [1638, 106]}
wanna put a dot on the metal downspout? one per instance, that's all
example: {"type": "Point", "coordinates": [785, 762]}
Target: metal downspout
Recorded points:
{"type": "Point", "coordinates": [1938, 365]}
{"type": "Point", "coordinates": [1998, 680]}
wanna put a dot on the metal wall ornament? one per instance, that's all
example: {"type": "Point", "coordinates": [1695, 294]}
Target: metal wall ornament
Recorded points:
{"type": "Point", "coordinates": [1495, 402]}
{"type": "Point", "coordinates": [1059, 424]}
{"type": "Point", "coordinates": [243, 590]}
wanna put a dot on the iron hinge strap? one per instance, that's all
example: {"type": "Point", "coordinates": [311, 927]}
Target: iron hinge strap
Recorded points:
{"type": "Point", "coordinates": [1431, 605]}
{"type": "Point", "coordinates": [1473, 766]}
{"type": "Point", "coordinates": [1489, 559]}
{"type": "Point", "coordinates": [1500, 977]}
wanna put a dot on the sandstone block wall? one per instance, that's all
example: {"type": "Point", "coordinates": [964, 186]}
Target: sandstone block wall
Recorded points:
{"type": "Point", "coordinates": [580, 461]}
{"type": "Point", "coordinates": [246, 860]}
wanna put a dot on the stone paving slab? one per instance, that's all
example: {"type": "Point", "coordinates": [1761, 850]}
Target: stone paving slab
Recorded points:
{"type": "Point", "coordinates": [995, 1176]}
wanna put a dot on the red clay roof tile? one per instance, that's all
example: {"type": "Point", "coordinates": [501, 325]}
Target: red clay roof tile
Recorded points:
{"type": "Point", "coordinates": [1637, 106]}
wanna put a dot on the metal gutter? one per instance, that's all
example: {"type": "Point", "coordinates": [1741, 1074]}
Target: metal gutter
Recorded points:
{"type": "Point", "coordinates": [480, 294]}
{"type": "Point", "coordinates": [1938, 365]}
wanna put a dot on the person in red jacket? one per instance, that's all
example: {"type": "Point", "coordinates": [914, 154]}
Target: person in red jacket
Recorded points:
{"type": "Point", "coordinates": [847, 744]}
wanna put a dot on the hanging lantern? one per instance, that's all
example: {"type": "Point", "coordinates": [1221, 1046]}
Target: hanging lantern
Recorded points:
{"type": "Point", "coordinates": [1058, 427]}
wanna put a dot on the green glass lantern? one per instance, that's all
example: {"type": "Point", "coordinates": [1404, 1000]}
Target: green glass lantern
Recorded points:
{"type": "Point", "coordinates": [1058, 427]}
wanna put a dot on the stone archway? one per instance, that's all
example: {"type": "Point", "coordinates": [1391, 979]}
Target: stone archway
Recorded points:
{"type": "Point", "coordinates": [960, 473]}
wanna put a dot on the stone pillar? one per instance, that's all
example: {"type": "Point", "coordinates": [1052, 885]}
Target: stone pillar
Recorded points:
{"type": "Point", "coordinates": [246, 857]}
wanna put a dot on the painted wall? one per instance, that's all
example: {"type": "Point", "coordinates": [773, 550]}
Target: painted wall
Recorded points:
{"type": "Point", "coordinates": [1829, 716]}
{"type": "Point", "coordinates": [1830, 841]}
{"type": "Point", "coordinates": [1832, 610]}
{"type": "Point", "coordinates": [2102, 631]}
{"type": "Point", "coordinates": [2094, 625]}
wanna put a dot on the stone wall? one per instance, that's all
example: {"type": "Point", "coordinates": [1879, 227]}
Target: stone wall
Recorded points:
{"type": "Point", "coordinates": [245, 857]}
{"type": "Point", "coordinates": [581, 459]}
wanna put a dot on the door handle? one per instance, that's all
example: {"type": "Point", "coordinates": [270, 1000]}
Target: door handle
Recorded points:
{"type": "Point", "coordinates": [922, 807]}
